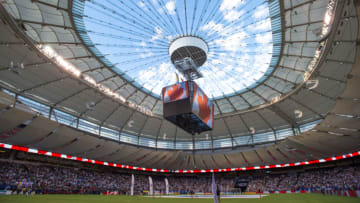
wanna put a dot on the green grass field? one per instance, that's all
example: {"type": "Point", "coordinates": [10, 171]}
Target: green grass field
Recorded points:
{"type": "Point", "coordinates": [276, 198]}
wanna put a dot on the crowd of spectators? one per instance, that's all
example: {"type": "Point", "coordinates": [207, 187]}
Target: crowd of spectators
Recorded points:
{"type": "Point", "coordinates": [47, 178]}
{"type": "Point", "coordinates": [339, 178]}
{"type": "Point", "coordinates": [199, 184]}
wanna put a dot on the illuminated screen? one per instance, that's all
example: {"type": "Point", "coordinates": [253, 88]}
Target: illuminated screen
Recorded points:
{"type": "Point", "coordinates": [203, 107]}
{"type": "Point", "coordinates": [175, 92]}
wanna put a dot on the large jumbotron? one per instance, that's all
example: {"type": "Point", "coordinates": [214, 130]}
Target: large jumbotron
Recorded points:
{"type": "Point", "coordinates": [185, 104]}
{"type": "Point", "coordinates": [179, 100]}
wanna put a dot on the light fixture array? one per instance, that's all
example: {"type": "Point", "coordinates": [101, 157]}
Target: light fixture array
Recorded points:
{"type": "Point", "coordinates": [74, 71]}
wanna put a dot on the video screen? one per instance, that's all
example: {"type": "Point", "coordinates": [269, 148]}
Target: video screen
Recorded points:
{"type": "Point", "coordinates": [240, 183]}
{"type": "Point", "coordinates": [203, 107]}
{"type": "Point", "coordinates": [175, 92]}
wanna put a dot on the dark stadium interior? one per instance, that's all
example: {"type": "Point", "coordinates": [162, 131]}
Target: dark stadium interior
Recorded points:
{"type": "Point", "coordinates": [206, 100]}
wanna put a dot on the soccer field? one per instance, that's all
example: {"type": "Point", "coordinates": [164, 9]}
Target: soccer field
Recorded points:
{"type": "Point", "coordinates": [276, 198]}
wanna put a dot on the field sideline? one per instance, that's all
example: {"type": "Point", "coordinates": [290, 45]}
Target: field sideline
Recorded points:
{"type": "Point", "coordinates": [274, 198]}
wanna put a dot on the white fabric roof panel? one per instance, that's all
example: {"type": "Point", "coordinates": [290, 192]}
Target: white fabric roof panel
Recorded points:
{"type": "Point", "coordinates": [118, 81]}
{"type": "Point", "coordinates": [347, 107]}
{"type": "Point", "coordinates": [83, 65]}
{"type": "Point", "coordinates": [317, 10]}
{"type": "Point", "coordinates": [126, 90]}
{"type": "Point", "coordinates": [167, 131]}
{"type": "Point", "coordinates": [137, 97]}
{"type": "Point", "coordinates": [118, 118]}
{"type": "Point", "coordinates": [181, 135]}
{"type": "Point", "coordinates": [279, 157]}
{"type": "Point", "coordinates": [56, 140]}
{"type": "Point", "coordinates": [151, 127]}
{"type": "Point", "coordinates": [352, 92]}
{"type": "Point", "coordinates": [288, 107]}
{"type": "Point", "coordinates": [29, 11]}
{"type": "Point", "coordinates": [87, 144]}
{"type": "Point", "coordinates": [344, 51]}
{"type": "Point", "coordinates": [273, 118]}
{"type": "Point", "coordinates": [13, 117]}
{"type": "Point", "coordinates": [99, 76]}
{"type": "Point", "coordinates": [339, 131]}
{"type": "Point", "coordinates": [251, 158]}
{"type": "Point", "coordinates": [57, 3]}
{"type": "Point", "coordinates": [236, 126]}
{"type": "Point", "coordinates": [291, 76]}
{"type": "Point", "coordinates": [330, 88]}
{"type": "Point", "coordinates": [91, 62]}
{"type": "Point", "coordinates": [104, 149]}
{"type": "Point", "coordinates": [335, 70]}
{"type": "Point", "coordinates": [142, 159]}
{"type": "Point", "coordinates": [315, 141]}
{"type": "Point", "coordinates": [279, 85]}
{"type": "Point", "coordinates": [17, 53]}
{"type": "Point", "coordinates": [314, 31]}
{"type": "Point", "coordinates": [135, 123]}
{"type": "Point", "coordinates": [253, 99]}
{"type": "Point", "coordinates": [158, 109]}
{"type": "Point", "coordinates": [70, 52]}
{"type": "Point", "coordinates": [78, 102]}
{"type": "Point", "coordinates": [267, 92]}
{"type": "Point", "coordinates": [102, 109]}
{"type": "Point", "coordinates": [341, 122]}
{"type": "Point", "coordinates": [253, 120]}
{"type": "Point", "coordinates": [225, 106]}
{"type": "Point", "coordinates": [315, 103]}
{"type": "Point", "coordinates": [126, 152]}
{"type": "Point", "coordinates": [48, 90]}
{"type": "Point", "coordinates": [37, 129]}
{"type": "Point", "coordinates": [264, 155]}
{"type": "Point", "coordinates": [239, 103]}
{"type": "Point", "coordinates": [221, 131]}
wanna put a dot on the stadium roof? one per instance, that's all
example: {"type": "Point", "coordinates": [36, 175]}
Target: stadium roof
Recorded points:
{"type": "Point", "coordinates": [133, 39]}
{"type": "Point", "coordinates": [71, 77]}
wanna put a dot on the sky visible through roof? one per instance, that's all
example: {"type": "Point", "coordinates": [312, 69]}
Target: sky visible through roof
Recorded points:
{"type": "Point", "coordinates": [135, 35]}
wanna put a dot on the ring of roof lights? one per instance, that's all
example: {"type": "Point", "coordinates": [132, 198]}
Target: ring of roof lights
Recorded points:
{"type": "Point", "coordinates": [189, 46]}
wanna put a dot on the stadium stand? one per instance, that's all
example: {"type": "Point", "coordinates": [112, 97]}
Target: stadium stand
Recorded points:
{"type": "Point", "coordinates": [52, 176]}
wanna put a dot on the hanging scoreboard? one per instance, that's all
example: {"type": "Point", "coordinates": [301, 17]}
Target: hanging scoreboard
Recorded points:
{"type": "Point", "coordinates": [187, 106]}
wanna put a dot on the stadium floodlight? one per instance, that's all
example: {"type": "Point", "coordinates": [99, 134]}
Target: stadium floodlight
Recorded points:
{"type": "Point", "coordinates": [275, 99]}
{"type": "Point", "coordinates": [252, 130]}
{"type": "Point", "coordinates": [312, 84]}
{"type": "Point", "coordinates": [298, 113]}
{"type": "Point", "coordinates": [15, 67]}
{"type": "Point", "coordinates": [328, 17]}
{"type": "Point", "coordinates": [131, 123]}
{"type": "Point", "coordinates": [90, 105]}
